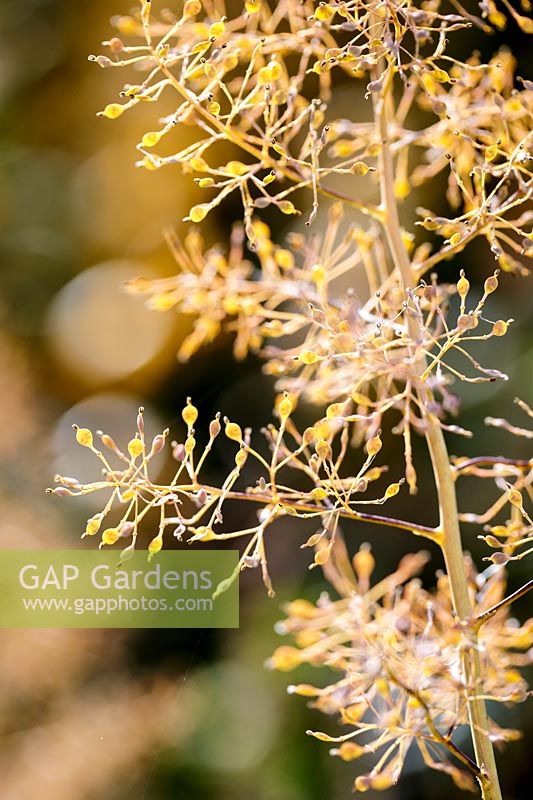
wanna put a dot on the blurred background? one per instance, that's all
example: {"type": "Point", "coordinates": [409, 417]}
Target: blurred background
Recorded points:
{"type": "Point", "coordinates": [155, 715]}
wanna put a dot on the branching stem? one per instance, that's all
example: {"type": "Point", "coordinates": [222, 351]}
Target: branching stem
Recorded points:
{"type": "Point", "coordinates": [449, 521]}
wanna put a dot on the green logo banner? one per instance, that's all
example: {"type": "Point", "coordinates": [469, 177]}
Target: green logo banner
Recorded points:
{"type": "Point", "coordinates": [93, 589]}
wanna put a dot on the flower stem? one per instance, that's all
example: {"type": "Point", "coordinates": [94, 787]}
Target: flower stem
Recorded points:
{"type": "Point", "coordinates": [449, 521]}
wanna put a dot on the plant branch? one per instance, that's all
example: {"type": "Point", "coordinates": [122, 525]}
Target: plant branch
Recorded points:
{"type": "Point", "coordinates": [482, 618]}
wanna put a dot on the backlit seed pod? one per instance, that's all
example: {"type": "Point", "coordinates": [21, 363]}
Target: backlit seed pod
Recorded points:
{"type": "Point", "coordinates": [463, 286]}
{"type": "Point", "coordinates": [285, 408]}
{"type": "Point", "coordinates": [112, 111]}
{"type": "Point", "coordinates": [313, 540]}
{"type": "Point", "coordinates": [360, 168]}
{"type": "Point", "coordinates": [240, 458]}
{"type": "Point", "coordinates": [108, 442]}
{"type": "Point", "coordinates": [178, 451]}
{"type": "Point", "coordinates": [110, 536]}
{"type": "Point", "coordinates": [348, 751]}
{"type": "Point", "coordinates": [151, 138]}
{"type": "Point", "coordinates": [322, 556]}
{"type": "Point", "coordinates": [217, 29]}
{"type": "Point", "coordinates": [286, 207]}
{"type": "Point", "coordinates": [335, 410]}
{"type": "Point", "coordinates": [364, 564]}
{"type": "Point", "coordinates": [499, 328]}
{"type": "Point", "coordinates": [392, 490]}
{"type": "Point", "coordinates": [135, 448]}
{"type": "Point", "coordinates": [93, 525]}
{"type": "Point", "coordinates": [515, 498]}
{"type": "Point", "coordinates": [214, 428]}
{"type": "Point", "coordinates": [198, 213]}
{"type": "Point", "coordinates": [284, 658]}
{"type": "Point", "coordinates": [158, 443]}
{"type": "Point", "coordinates": [189, 414]}
{"type": "Point", "coordinates": [374, 445]}
{"type": "Point", "coordinates": [323, 450]}
{"type": "Point", "coordinates": [308, 357]}
{"type": "Point", "coordinates": [192, 8]}
{"type": "Point", "coordinates": [84, 437]}
{"type": "Point", "coordinates": [491, 284]}
{"type": "Point", "coordinates": [318, 493]}
{"type": "Point", "coordinates": [233, 431]}
{"type": "Point", "coordinates": [126, 529]}
{"type": "Point", "coordinates": [156, 544]}
{"type": "Point", "coordinates": [324, 12]}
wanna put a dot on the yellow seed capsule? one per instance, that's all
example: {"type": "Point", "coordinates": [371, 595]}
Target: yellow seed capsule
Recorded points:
{"type": "Point", "coordinates": [285, 408]}
{"type": "Point", "coordinates": [322, 556]}
{"type": "Point", "coordinates": [189, 414]}
{"type": "Point", "coordinates": [364, 563]}
{"type": "Point", "coordinates": [192, 8]}
{"type": "Point", "coordinates": [491, 284]}
{"type": "Point", "coordinates": [491, 153]}
{"type": "Point", "coordinates": [360, 168]}
{"type": "Point", "coordinates": [285, 658]}
{"type": "Point", "coordinates": [135, 448]}
{"type": "Point", "coordinates": [198, 213]}
{"type": "Point", "coordinates": [308, 357]}
{"type": "Point", "coordinates": [93, 526]}
{"type": "Point", "coordinates": [214, 108]}
{"type": "Point", "coordinates": [318, 493]}
{"type": "Point", "coordinates": [190, 444]}
{"type": "Point", "coordinates": [252, 6]}
{"type": "Point", "coordinates": [84, 437]}
{"type": "Point", "coordinates": [440, 75]}
{"type": "Point", "coordinates": [236, 168]}
{"type": "Point", "coordinates": [515, 498]}
{"type": "Point", "coordinates": [205, 183]}
{"type": "Point", "coordinates": [335, 410]}
{"type": "Point", "coordinates": [349, 751]}
{"type": "Point", "coordinates": [217, 29]}
{"type": "Point", "coordinates": [392, 490]}
{"type": "Point", "coordinates": [286, 207]}
{"type": "Point", "coordinates": [323, 449]}
{"type": "Point", "coordinates": [156, 544]}
{"type": "Point", "coordinates": [324, 12]}
{"type": "Point", "coordinates": [151, 138]}
{"type": "Point", "coordinates": [499, 328]}
{"type": "Point", "coordinates": [110, 536]}
{"type": "Point", "coordinates": [233, 431]}
{"type": "Point", "coordinates": [463, 285]}
{"type": "Point", "coordinates": [455, 238]}
{"type": "Point", "coordinates": [240, 458]}
{"type": "Point", "coordinates": [373, 446]}
{"type": "Point", "coordinates": [112, 111]}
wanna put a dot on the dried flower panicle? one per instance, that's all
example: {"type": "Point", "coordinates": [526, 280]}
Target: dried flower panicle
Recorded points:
{"type": "Point", "coordinates": [192, 510]}
{"type": "Point", "coordinates": [351, 354]}
{"type": "Point", "coordinates": [414, 665]}
{"type": "Point", "coordinates": [254, 80]}
{"type": "Point", "coordinates": [512, 538]}
{"type": "Point", "coordinates": [397, 649]}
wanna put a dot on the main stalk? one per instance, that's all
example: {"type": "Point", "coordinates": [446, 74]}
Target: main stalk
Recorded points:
{"type": "Point", "coordinates": [449, 522]}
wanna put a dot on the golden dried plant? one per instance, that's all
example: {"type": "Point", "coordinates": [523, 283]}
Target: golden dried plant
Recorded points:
{"type": "Point", "coordinates": [415, 665]}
